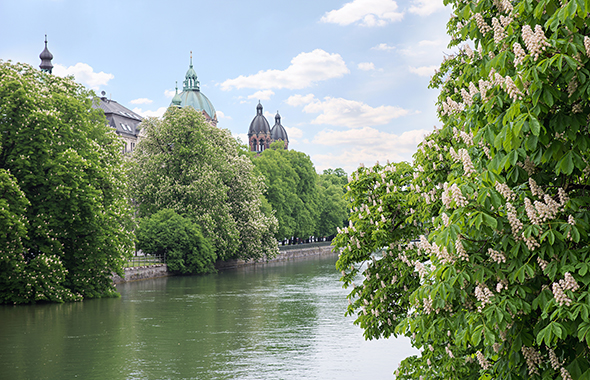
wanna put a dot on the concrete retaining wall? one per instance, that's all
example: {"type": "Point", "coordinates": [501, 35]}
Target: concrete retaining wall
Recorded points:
{"type": "Point", "coordinates": [284, 255]}
{"type": "Point", "coordinates": [142, 273]}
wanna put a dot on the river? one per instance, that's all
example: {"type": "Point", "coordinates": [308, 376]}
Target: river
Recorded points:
{"type": "Point", "coordinates": [277, 321]}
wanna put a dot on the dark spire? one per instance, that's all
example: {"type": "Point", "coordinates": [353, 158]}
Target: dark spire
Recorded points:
{"type": "Point", "coordinates": [46, 58]}
{"type": "Point", "coordinates": [259, 109]}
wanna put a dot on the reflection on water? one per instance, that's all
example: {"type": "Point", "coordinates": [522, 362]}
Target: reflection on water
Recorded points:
{"type": "Point", "coordinates": [279, 321]}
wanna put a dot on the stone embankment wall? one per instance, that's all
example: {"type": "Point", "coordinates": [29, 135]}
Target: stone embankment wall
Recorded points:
{"type": "Point", "coordinates": [142, 273]}
{"type": "Point", "coordinates": [285, 253]}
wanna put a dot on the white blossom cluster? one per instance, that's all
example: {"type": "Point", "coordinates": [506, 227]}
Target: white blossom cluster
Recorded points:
{"type": "Point", "coordinates": [451, 107]}
{"type": "Point", "coordinates": [483, 295]}
{"type": "Point", "coordinates": [559, 288]}
{"type": "Point", "coordinates": [535, 42]}
{"type": "Point", "coordinates": [499, 33]}
{"type": "Point", "coordinates": [483, 362]}
{"type": "Point", "coordinates": [542, 263]}
{"type": "Point", "coordinates": [460, 249]}
{"type": "Point", "coordinates": [533, 359]}
{"type": "Point", "coordinates": [506, 192]}
{"type": "Point", "coordinates": [496, 256]}
{"type": "Point", "coordinates": [463, 156]}
{"type": "Point", "coordinates": [481, 24]}
{"type": "Point", "coordinates": [453, 193]}
{"type": "Point", "coordinates": [512, 90]}
{"type": "Point", "coordinates": [519, 53]}
{"type": "Point", "coordinates": [587, 45]}
{"type": "Point", "coordinates": [554, 360]}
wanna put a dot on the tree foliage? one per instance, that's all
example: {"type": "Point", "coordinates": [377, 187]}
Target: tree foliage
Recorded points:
{"type": "Point", "coordinates": [200, 172]}
{"type": "Point", "coordinates": [179, 239]}
{"type": "Point", "coordinates": [305, 203]}
{"type": "Point", "coordinates": [479, 251]}
{"type": "Point", "coordinates": [291, 189]}
{"type": "Point", "coordinates": [64, 218]}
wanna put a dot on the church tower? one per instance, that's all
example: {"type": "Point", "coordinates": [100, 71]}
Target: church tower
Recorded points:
{"type": "Point", "coordinates": [46, 58]}
{"type": "Point", "coordinates": [259, 132]}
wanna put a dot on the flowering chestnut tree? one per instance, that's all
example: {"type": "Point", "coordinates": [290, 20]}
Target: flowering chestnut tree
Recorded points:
{"type": "Point", "coordinates": [201, 172]}
{"type": "Point", "coordinates": [479, 250]}
{"type": "Point", "coordinates": [65, 222]}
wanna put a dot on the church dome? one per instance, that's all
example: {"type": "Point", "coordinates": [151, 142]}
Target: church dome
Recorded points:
{"type": "Point", "coordinates": [278, 132]}
{"type": "Point", "coordinates": [46, 58]}
{"type": "Point", "coordinates": [191, 95]}
{"type": "Point", "coordinates": [259, 124]}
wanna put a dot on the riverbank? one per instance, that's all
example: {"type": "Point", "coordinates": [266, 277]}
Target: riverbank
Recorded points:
{"type": "Point", "coordinates": [286, 253]}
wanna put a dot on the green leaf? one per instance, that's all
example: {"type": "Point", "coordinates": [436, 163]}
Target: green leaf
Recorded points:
{"type": "Point", "coordinates": [489, 220]}
{"type": "Point", "coordinates": [566, 165]}
{"type": "Point", "coordinates": [535, 125]}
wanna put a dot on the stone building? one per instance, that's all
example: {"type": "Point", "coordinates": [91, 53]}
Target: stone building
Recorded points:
{"type": "Point", "coordinates": [260, 135]}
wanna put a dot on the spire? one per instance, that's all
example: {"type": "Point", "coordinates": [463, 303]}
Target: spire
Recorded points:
{"type": "Point", "coordinates": [259, 109]}
{"type": "Point", "coordinates": [46, 58]}
{"type": "Point", "coordinates": [278, 118]}
{"type": "Point", "coordinates": [190, 79]}
{"type": "Point", "coordinates": [176, 100]}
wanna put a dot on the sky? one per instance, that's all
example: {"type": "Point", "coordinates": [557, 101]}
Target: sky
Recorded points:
{"type": "Point", "coordinates": [349, 78]}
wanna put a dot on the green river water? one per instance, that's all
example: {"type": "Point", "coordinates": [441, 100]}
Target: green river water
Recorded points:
{"type": "Point", "coordinates": [277, 321]}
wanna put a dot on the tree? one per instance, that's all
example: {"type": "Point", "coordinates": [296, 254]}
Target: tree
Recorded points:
{"type": "Point", "coordinates": [291, 189]}
{"type": "Point", "coordinates": [199, 171]}
{"type": "Point", "coordinates": [179, 239]}
{"type": "Point", "coordinates": [479, 250]}
{"type": "Point", "coordinates": [333, 213]}
{"type": "Point", "coordinates": [65, 220]}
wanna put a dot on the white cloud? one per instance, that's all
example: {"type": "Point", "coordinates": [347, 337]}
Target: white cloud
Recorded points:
{"type": "Point", "coordinates": [348, 113]}
{"type": "Point", "coordinates": [147, 113]}
{"type": "Point", "coordinates": [262, 95]}
{"type": "Point", "coordinates": [221, 115]}
{"type": "Point", "coordinates": [424, 71]}
{"type": "Point", "coordinates": [84, 74]}
{"type": "Point", "coordinates": [383, 47]}
{"type": "Point", "coordinates": [299, 100]}
{"type": "Point", "coordinates": [169, 93]}
{"type": "Point", "coordinates": [366, 66]}
{"type": "Point", "coordinates": [305, 69]}
{"type": "Point", "coordinates": [426, 7]}
{"type": "Point", "coordinates": [141, 101]}
{"type": "Point", "coordinates": [366, 145]}
{"type": "Point", "coordinates": [294, 132]}
{"type": "Point", "coordinates": [365, 12]}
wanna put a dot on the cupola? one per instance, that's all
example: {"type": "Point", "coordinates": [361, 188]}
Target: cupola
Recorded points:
{"type": "Point", "coordinates": [46, 58]}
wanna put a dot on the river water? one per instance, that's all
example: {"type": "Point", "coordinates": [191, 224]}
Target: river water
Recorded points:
{"type": "Point", "coordinates": [278, 321]}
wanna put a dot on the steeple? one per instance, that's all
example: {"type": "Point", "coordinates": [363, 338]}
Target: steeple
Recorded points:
{"type": "Point", "coordinates": [190, 79]}
{"type": "Point", "coordinates": [176, 100]}
{"type": "Point", "coordinates": [46, 58]}
{"type": "Point", "coordinates": [259, 109]}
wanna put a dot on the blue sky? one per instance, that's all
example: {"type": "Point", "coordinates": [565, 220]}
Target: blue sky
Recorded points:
{"type": "Point", "coordinates": [349, 78]}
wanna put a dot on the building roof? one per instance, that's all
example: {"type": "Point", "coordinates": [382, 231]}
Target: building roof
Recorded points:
{"type": "Point", "coordinates": [122, 119]}
{"type": "Point", "coordinates": [191, 94]}
{"type": "Point", "coordinates": [278, 132]}
{"type": "Point", "coordinates": [259, 124]}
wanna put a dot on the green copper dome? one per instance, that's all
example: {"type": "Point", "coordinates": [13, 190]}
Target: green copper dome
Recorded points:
{"type": "Point", "coordinates": [191, 94]}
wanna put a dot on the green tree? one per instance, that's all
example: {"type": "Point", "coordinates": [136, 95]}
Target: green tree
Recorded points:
{"type": "Point", "coordinates": [65, 219]}
{"type": "Point", "coordinates": [292, 190]}
{"type": "Point", "coordinates": [332, 205]}
{"type": "Point", "coordinates": [179, 239]}
{"type": "Point", "coordinates": [199, 171]}
{"type": "Point", "coordinates": [486, 260]}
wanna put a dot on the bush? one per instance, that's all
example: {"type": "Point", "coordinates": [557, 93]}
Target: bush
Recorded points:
{"type": "Point", "coordinates": [186, 250]}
